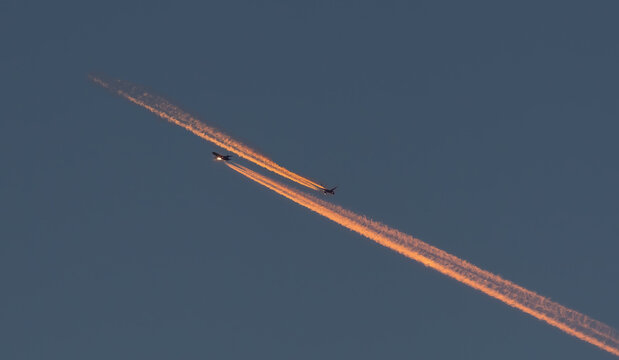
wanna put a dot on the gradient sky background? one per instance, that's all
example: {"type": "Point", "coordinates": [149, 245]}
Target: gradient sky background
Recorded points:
{"type": "Point", "coordinates": [488, 130]}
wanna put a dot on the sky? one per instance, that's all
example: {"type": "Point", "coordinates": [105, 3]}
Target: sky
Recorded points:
{"type": "Point", "coordinates": [486, 129]}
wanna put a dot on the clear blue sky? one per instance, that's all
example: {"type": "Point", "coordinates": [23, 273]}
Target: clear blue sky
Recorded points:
{"type": "Point", "coordinates": [486, 129]}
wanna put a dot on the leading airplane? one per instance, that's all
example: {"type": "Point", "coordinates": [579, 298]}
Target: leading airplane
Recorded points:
{"type": "Point", "coordinates": [222, 157]}
{"type": "Point", "coordinates": [329, 191]}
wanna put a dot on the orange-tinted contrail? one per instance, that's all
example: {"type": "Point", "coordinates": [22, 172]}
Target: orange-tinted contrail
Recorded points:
{"type": "Point", "coordinates": [568, 320]}
{"type": "Point", "coordinates": [175, 115]}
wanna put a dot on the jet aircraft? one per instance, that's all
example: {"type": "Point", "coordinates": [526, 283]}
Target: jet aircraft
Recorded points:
{"type": "Point", "coordinates": [222, 157]}
{"type": "Point", "coordinates": [329, 191]}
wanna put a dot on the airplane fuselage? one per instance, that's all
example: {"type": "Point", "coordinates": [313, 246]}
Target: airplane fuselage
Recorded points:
{"type": "Point", "coordinates": [221, 157]}
{"type": "Point", "coordinates": [329, 191]}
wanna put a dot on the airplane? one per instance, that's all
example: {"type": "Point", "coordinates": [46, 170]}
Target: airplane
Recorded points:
{"type": "Point", "coordinates": [222, 157]}
{"type": "Point", "coordinates": [329, 191]}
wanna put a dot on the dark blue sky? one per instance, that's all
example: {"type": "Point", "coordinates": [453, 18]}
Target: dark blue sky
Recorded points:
{"type": "Point", "coordinates": [488, 130]}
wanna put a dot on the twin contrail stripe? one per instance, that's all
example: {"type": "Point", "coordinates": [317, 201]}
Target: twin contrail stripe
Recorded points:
{"type": "Point", "coordinates": [542, 308]}
{"type": "Point", "coordinates": [175, 115]}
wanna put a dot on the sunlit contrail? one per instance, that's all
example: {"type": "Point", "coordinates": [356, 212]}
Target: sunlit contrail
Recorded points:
{"type": "Point", "coordinates": [175, 115]}
{"type": "Point", "coordinates": [568, 320]}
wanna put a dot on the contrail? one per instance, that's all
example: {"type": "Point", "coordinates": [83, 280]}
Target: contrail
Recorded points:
{"type": "Point", "coordinates": [542, 308]}
{"type": "Point", "coordinates": [175, 115]}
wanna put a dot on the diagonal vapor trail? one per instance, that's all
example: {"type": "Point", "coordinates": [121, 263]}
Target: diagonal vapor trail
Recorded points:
{"type": "Point", "coordinates": [175, 115]}
{"type": "Point", "coordinates": [542, 308]}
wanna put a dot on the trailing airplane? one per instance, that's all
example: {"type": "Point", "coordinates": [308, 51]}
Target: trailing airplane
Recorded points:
{"type": "Point", "coordinates": [222, 157]}
{"type": "Point", "coordinates": [329, 191]}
